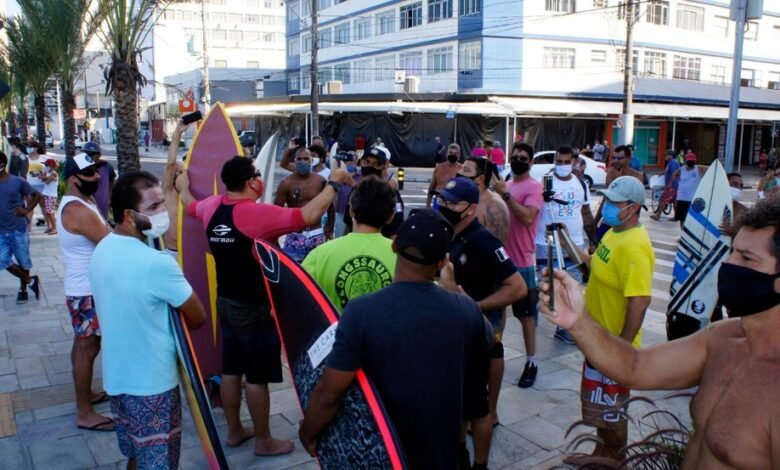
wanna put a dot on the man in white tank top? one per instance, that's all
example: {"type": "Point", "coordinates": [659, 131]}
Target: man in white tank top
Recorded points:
{"type": "Point", "coordinates": [689, 176]}
{"type": "Point", "coordinates": [80, 227]}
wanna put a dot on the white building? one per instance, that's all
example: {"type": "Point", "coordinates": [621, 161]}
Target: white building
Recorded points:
{"type": "Point", "coordinates": [547, 58]}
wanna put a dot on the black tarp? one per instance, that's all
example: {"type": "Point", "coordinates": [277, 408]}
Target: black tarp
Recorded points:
{"type": "Point", "coordinates": [548, 134]}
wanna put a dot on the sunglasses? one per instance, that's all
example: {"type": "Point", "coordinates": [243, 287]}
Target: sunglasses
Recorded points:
{"type": "Point", "coordinates": [520, 159]}
{"type": "Point", "coordinates": [88, 172]}
{"type": "Point", "coordinates": [619, 158]}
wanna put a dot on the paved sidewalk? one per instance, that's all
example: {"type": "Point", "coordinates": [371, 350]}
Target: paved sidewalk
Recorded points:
{"type": "Point", "coordinates": [37, 411]}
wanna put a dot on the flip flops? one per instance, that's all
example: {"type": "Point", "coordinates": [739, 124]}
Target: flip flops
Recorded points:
{"type": "Point", "coordinates": [101, 398]}
{"type": "Point", "coordinates": [99, 426]}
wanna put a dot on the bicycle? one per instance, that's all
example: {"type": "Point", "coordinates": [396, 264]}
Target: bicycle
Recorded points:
{"type": "Point", "coordinates": [657, 187]}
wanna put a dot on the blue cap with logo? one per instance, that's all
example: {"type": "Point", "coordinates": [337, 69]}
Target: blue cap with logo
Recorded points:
{"type": "Point", "coordinates": [460, 189]}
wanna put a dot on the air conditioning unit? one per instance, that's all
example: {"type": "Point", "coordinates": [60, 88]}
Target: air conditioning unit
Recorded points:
{"type": "Point", "coordinates": [334, 87]}
{"type": "Point", "coordinates": [412, 84]}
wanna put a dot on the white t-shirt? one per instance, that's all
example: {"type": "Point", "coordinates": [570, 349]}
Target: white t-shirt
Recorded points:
{"type": "Point", "coordinates": [577, 195]}
{"type": "Point", "coordinates": [34, 171]}
{"type": "Point", "coordinates": [50, 188]}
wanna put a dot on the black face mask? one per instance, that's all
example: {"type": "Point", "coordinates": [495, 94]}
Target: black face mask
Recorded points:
{"type": "Point", "coordinates": [452, 158]}
{"type": "Point", "coordinates": [461, 175]}
{"type": "Point", "coordinates": [519, 167]}
{"type": "Point", "coordinates": [745, 291]}
{"type": "Point", "coordinates": [87, 188]}
{"type": "Point", "coordinates": [690, 164]}
{"type": "Point", "coordinates": [452, 216]}
{"type": "Point", "coordinates": [370, 170]}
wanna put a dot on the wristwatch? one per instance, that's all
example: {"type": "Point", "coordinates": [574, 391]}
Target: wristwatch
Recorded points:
{"type": "Point", "coordinates": [336, 186]}
{"type": "Point", "coordinates": [506, 196]}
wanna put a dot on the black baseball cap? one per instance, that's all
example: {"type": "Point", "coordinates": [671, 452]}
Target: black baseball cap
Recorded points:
{"type": "Point", "coordinates": [77, 164]}
{"type": "Point", "coordinates": [460, 189]}
{"type": "Point", "coordinates": [424, 237]}
{"type": "Point", "coordinates": [376, 153]}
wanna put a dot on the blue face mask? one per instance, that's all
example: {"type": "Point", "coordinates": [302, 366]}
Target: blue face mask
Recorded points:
{"type": "Point", "coordinates": [351, 168]}
{"type": "Point", "coordinates": [303, 168]}
{"type": "Point", "coordinates": [611, 214]}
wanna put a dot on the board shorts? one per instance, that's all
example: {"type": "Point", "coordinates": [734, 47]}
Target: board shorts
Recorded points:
{"type": "Point", "coordinates": [604, 401]}
{"type": "Point", "coordinates": [83, 316]}
{"type": "Point", "coordinates": [528, 305]}
{"type": "Point", "coordinates": [250, 342]}
{"type": "Point", "coordinates": [148, 428]}
{"type": "Point", "coordinates": [50, 204]}
{"type": "Point", "coordinates": [681, 210]}
{"type": "Point", "coordinates": [298, 244]}
{"type": "Point", "coordinates": [15, 245]}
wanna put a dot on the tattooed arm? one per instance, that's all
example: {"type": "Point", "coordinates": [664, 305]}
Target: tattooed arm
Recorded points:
{"type": "Point", "coordinates": [497, 219]}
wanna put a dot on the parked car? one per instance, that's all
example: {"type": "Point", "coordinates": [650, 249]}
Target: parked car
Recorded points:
{"type": "Point", "coordinates": [247, 138]}
{"type": "Point", "coordinates": [595, 172]}
{"type": "Point", "coordinates": [76, 140]}
{"type": "Point", "coordinates": [49, 141]}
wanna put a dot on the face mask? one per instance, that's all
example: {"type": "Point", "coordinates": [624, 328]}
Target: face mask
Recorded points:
{"type": "Point", "coordinates": [30, 150]}
{"type": "Point", "coordinates": [745, 291]}
{"type": "Point", "coordinates": [563, 170]}
{"type": "Point", "coordinates": [87, 188]}
{"type": "Point", "coordinates": [452, 158]}
{"type": "Point", "coordinates": [611, 214]}
{"type": "Point", "coordinates": [518, 167]}
{"type": "Point", "coordinates": [452, 216]}
{"type": "Point", "coordinates": [735, 193]}
{"type": "Point", "coordinates": [260, 190]}
{"type": "Point", "coordinates": [302, 168]}
{"type": "Point", "coordinates": [472, 178]}
{"type": "Point", "coordinates": [351, 168]}
{"type": "Point", "coordinates": [370, 170]}
{"type": "Point", "coordinates": [690, 164]}
{"type": "Point", "coordinates": [159, 224]}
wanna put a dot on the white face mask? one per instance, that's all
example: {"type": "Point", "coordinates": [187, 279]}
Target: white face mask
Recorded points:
{"type": "Point", "coordinates": [563, 170]}
{"type": "Point", "coordinates": [735, 193]}
{"type": "Point", "coordinates": [160, 224]}
{"type": "Point", "coordinates": [30, 150]}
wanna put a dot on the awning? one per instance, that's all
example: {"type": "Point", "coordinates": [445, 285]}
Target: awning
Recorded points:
{"type": "Point", "coordinates": [327, 108]}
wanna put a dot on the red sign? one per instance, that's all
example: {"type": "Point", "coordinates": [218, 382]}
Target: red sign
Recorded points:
{"type": "Point", "coordinates": [79, 113]}
{"type": "Point", "coordinates": [187, 104]}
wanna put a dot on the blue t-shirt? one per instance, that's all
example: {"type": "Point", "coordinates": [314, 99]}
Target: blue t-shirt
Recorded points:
{"type": "Point", "coordinates": [12, 192]}
{"type": "Point", "coordinates": [132, 285]}
{"type": "Point", "coordinates": [636, 164]}
{"type": "Point", "coordinates": [671, 167]}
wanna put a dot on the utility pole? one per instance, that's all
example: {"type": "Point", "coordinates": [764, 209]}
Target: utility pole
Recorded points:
{"type": "Point", "coordinates": [315, 87]}
{"type": "Point", "coordinates": [736, 78]}
{"type": "Point", "coordinates": [626, 131]}
{"type": "Point", "coordinates": [206, 98]}
{"type": "Point", "coordinates": [59, 112]}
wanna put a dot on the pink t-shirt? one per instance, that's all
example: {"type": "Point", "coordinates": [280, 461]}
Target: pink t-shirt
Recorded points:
{"type": "Point", "coordinates": [264, 221]}
{"type": "Point", "coordinates": [520, 240]}
{"type": "Point", "coordinates": [478, 152]}
{"type": "Point", "coordinates": [497, 156]}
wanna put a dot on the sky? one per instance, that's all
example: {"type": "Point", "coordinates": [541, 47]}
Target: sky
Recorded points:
{"type": "Point", "coordinates": [11, 7]}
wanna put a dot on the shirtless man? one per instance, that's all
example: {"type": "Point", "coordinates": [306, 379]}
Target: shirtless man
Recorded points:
{"type": "Point", "coordinates": [296, 190]}
{"type": "Point", "coordinates": [172, 169]}
{"type": "Point", "coordinates": [492, 213]}
{"type": "Point", "coordinates": [735, 362]}
{"type": "Point", "coordinates": [444, 172]}
{"type": "Point", "coordinates": [621, 166]}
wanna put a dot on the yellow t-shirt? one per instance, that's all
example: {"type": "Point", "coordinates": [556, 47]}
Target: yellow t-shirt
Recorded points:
{"type": "Point", "coordinates": [621, 267]}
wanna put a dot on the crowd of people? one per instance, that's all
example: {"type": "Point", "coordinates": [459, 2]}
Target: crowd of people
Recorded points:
{"type": "Point", "coordinates": [423, 297]}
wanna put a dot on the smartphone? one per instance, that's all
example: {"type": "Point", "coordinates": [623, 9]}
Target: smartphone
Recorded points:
{"type": "Point", "coordinates": [547, 181]}
{"type": "Point", "coordinates": [192, 117]}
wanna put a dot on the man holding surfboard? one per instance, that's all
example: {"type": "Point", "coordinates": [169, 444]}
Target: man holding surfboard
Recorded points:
{"type": "Point", "coordinates": [250, 342]}
{"type": "Point", "coordinates": [735, 363]}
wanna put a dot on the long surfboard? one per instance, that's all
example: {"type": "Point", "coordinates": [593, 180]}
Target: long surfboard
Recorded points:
{"type": "Point", "coordinates": [361, 435]}
{"type": "Point", "coordinates": [215, 143]}
{"type": "Point", "coordinates": [702, 249]}
{"type": "Point", "coordinates": [266, 163]}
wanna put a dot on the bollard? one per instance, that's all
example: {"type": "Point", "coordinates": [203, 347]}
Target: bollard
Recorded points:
{"type": "Point", "coordinates": [400, 179]}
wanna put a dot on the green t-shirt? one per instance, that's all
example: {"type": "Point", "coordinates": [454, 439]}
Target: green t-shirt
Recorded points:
{"type": "Point", "coordinates": [351, 266]}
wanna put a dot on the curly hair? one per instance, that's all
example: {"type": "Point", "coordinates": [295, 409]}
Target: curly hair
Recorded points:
{"type": "Point", "coordinates": [766, 213]}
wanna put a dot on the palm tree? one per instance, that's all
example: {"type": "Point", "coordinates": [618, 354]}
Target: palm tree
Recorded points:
{"type": "Point", "coordinates": [127, 25]}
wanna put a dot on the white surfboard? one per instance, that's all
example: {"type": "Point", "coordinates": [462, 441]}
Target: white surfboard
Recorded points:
{"type": "Point", "coordinates": [702, 249]}
{"type": "Point", "coordinates": [266, 163]}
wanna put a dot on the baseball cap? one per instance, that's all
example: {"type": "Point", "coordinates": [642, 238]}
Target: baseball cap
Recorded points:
{"type": "Point", "coordinates": [690, 157]}
{"type": "Point", "coordinates": [77, 164]}
{"type": "Point", "coordinates": [460, 189]}
{"type": "Point", "coordinates": [90, 148]}
{"type": "Point", "coordinates": [670, 152]}
{"type": "Point", "coordinates": [424, 237]}
{"type": "Point", "coordinates": [378, 154]}
{"type": "Point", "coordinates": [625, 188]}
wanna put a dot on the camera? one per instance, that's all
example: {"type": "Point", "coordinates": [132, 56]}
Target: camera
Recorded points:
{"type": "Point", "coordinates": [547, 182]}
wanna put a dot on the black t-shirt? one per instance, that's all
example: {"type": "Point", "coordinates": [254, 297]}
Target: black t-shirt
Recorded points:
{"type": "Point", "coordinates": [414, 340]}
{"type": "Point", "coordinates": [480, 261]}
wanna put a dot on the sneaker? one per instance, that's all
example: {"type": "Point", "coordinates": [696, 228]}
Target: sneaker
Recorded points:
{"type": "Point", "coordinates": [21, 297]}
{"type": "Point", "coordinates": [563, 335]}
{"type": "Point", "coordinates": [529, 375]}
{"type": "Point", "coordinates": [35, 286]}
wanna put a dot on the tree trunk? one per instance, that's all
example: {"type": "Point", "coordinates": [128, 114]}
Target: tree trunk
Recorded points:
{"type": "Point", "coordinates": [126, 101]}
{"type": "Point", "coordinates": [40, 119]}
{"type": "Point", "coordinates": [23, 126]}
{"type": "Point", "coordinates": [12, 123]}
{"type": "Point", "coordinates": [68, 103]}
{"type": "Point", "coordinates": [3, 128]}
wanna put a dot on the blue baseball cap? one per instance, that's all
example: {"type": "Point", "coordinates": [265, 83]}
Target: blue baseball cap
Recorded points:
{"type": "Point", "coordinates": [460, 189]}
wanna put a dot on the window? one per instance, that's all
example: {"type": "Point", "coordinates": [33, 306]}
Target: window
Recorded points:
{"type": "Point", "coordinates": [217, 34]}
{"type": "Point", "coordinates": [252, 64]}
{"type": "Point", "coordinates": [411, 15]}
{"type": "Point", "coordinates": [598, 56]}
{"type": "Point", "coordinates": [305, 78]}
{"type": "Point", "coordinates": [305, 10]}
{"type": "Point", "coordinates": [324, 75]}
{"type": "Point", "coordinates": [718, 74]}
{"type": "Point", "coordinates": [774, 81]}
{"type": "Point", "coordinates": [235, 18]}
{"type": "Point", "coordinates": [341, 72]}
{"type": "Point", "coordinates": [265, 20]}
{"type": "Point", "coordinates": [470, 7]}
{"type": "Point", "coordinates": [292, 11]}
{"type": "Point", "coordinates": [217, 17]}
{"type": "Point", "coordinates": [470, 56]}
{"type": "Point", "coordinates": [220, 63]}
{"type": "Point", "coordinates": [655, 64]}
{"type": "Point", "coordinates": [255, 19]}
{"type": "Point", "coordinates": [690, 17]}
{"type": "Point", "coordinates": [186, 15]}
{"type": "Point", "coordinates": [560, 6]}
{"type": "Point", "coordinates": [251, 36]}
{"type": "Point", "coordinates": [412, 62]}
{"type": "Point", "coordinates": [439, 10]}
{"type": "Point", "coordinates": [558, 58]}
{"type": "Point", "coordinates": [235, 35]}
{"type": "Point", "coordinates": [268, 4]}
{"type": "Point", "coordinates": [720, 25]}
{"type": "Point", "coordinates": [620, 60]}
{"type": "Point", "coordinates": [362, 29]}
{"type": "Point", "coordinates": [658, 12]}
{"type": "Point", "coordinates": [293, 47]}
{"type": "Point", "coordinates": [385, 22]}
{"type": "Point", "coordinates": [323, 4]}
{"type": "Point", "coordinates": [440, 60]}
{"type": "Point", "coordinates": [385, 67]}
{"type": "Point", "coordinates": [341, 34]}
{"type": "Point", "coordinates": [621, 10]}
{"type": "Point", "coordinates": [750, 78]}
{"type": "Point", "coordinates": [361, 71]}
{"type": "Point", "coordinates": [306, 43]}
{"type": "Point", "coordinates": [686, 68]}
{"type": "Point", "coordinates": [324, 39]}
{"type": "Point", "coordinates": [751, 31]}
{"type": "Point", "coordinates": [599, 3]}
{"type": "Point", "coordinates": [294, 81]}
{"type": "Point", "coordinates": [169, 14]}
